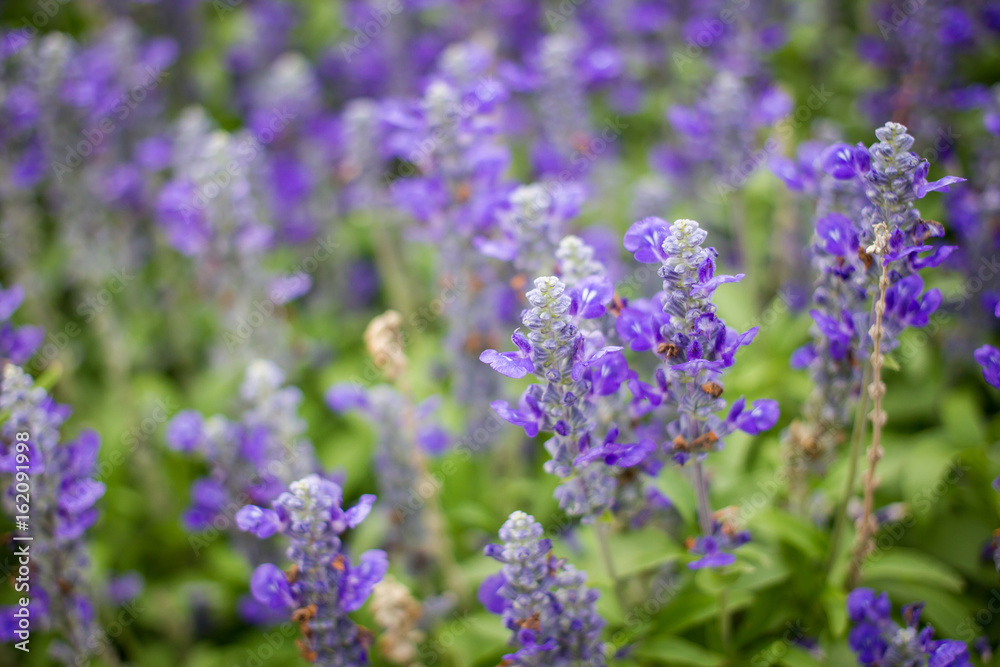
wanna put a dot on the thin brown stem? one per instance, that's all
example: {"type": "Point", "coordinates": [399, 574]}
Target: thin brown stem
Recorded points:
{"type": "Point", "coordinates": [868, 526]}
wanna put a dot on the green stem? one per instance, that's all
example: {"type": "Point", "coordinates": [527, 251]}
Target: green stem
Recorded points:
{"type": "Point", "coordinates": [725, 624]}
{"type": "Point", "coordinates": [852, 471]}
{"type": "Point", "coordinates": [391, 267]}
{"type": "Point", "coordinates": [601, 528]}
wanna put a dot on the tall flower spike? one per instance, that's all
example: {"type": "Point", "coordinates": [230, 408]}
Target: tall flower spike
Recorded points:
{"type": "Point", "coordinates": [63, 493]}
{"type": "Point", "coordinates": [323, 586]}
{"type": "Point", "coordinates": [570, 368]}
{"type": "Point", "coordinates": [695, 347]}
{"type": "Point", "coordinates": [892, 231]}
{"type": "Point", "coordinates": [544, 602]}
{"type": "Point", "coordinates": [405, 435]}
{"type": "Point", "coordinates": [254, 457]}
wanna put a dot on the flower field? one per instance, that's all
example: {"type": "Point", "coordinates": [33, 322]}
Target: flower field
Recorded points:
{"type": "Point", "coordinates": [517, 334]}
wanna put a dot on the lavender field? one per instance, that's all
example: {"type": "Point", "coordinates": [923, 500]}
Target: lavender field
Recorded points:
{"type": "Point", "coordinates": [521, 333]}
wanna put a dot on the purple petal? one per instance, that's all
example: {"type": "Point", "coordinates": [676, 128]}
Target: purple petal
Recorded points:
{"type": "Point", "coordinates": [645, 240]}
{"type": "Point", "coordinates": [10, 301]}
{"type": "Point", "coordinates": [270, 586]}
{"type": "Point", "coordinates": [511, 364]}
{"type": "Point", "coordinates": [939, 185]}
{"type": "Point", "coordinates": [761, 417]}
{"type": "Point", "coordinates": [185, 431]}
{"type": "Point", "coordinates": [258, 521]}
{"type": "Point", "coordinates": [357, 514]}
{"type": "Point", "coordinates": [489, 593]}
{"type": "Point", "coordinates": [360, 579]}
{"type": "Point", "coordinates": [346, 396]}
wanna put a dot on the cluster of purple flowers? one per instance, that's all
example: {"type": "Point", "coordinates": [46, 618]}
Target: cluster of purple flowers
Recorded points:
{"type": "Point", "coordinates": [322, 586]}
{"type": "Point", "coordinates": [251, 460]}
{"type": "Point", "coordinates": [52, 484]}
{"type": "Point", "coordinates": [575, 370]}
{"type": "Point", "coordinates": [694, 347]}
{"type": "Point", "coordinates": [860, 189]}
{"type": "Point", "coordinates": [879, 641]}
{"type": "Point", "coordinates": [579, 370]}
{"type": "Point", "coordinates": [544, 601]}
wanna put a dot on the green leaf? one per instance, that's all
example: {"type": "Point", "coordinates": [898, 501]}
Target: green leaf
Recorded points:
{"type": "Point", "coordinates": [963, 419]}
{"type": "Point", "coordinates": [908, 565]}
{"type": "Point", "coordinates": [835, 604]}
{"type": "Point", "coordinates": [797, 657]}
{"type": "Point", "coordinates": [677, 651]}
{"type": "Point", "coordinates": [692, 608]}
{"type": "Point", "coordinates": [793, 530]}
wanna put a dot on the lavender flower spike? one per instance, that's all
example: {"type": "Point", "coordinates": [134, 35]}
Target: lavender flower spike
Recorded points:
{"type": "Point", "coordinates": [574, 371]}
{"type": "Point", "coordinates": [543, 601]}
{"type": "Point", "coordinates": [322, 586]}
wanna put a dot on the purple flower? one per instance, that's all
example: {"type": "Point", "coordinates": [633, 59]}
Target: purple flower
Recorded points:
{"type": "Point", "coordinates": [989, 358]}
{"type": "Point", "coordinates": [761, 417]}
{"type": "Point", "coordinates": [533, 585]}
{"type": "Point", "coordinates": [512, 364]}
{"type": "Point", "coordinates": [346, 396]}
{"type": "Point", "coordinates": [309, 515]}
{"type": "Point", "coordinates": [489, 593]}
{"type": "Point", "coordinates": [590, 295]}
{"type": "Point", "coordinates": [844, 162]}
{"type": "Point", "coordinates": [260, 522]}
{"type": "Point", "coordinates": [645, 240]}
{"type": "Point", "coordinates": [838, 232]}
{"type": "Point", "coordinates": [185, 431]}
{"type": "Point", "coordinates": [711, 555]}
{"type": "Point", "coordinates": [270, 586]}
{"type": "Point", "coordinates": [879, 641]}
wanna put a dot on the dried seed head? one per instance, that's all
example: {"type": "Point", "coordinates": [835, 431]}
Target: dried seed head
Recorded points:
{"type": "Point", "coordinates": [384, 340]}
{"type": "Point", "coordinates": [398, 613]}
